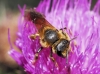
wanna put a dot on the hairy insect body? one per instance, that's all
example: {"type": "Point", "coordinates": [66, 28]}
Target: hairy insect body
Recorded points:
{"type": "Point", "coordinates": [57, 40]}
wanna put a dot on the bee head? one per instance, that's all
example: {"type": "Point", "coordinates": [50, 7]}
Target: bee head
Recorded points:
{"type": "Point", "coordinates": [62, 46]}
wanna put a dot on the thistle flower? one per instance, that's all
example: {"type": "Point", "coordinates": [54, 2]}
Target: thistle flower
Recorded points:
{"type": "Point", "coordinates": [80, 21]}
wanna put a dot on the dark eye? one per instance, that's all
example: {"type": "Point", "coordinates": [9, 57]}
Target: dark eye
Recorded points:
{"type": "Point", "coordinates": [51, 36]}
{"type": "Point", "coordinates": [62, 45]}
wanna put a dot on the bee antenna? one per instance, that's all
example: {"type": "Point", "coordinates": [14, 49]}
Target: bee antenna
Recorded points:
{"type": "Point", "coordinates": [73, 38]}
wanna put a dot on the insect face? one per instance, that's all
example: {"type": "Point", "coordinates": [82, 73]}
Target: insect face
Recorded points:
{"type": "Point", "coordinates": [62, 46]}
{"type": "Point", "coordinates": [51, 36]}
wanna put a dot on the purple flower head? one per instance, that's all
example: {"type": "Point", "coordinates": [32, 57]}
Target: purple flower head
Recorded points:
{"type": "Point", "coordinates": [80, 21]}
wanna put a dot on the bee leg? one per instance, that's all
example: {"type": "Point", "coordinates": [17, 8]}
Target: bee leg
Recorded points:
{"type": "Point", "coordinates": [63, 29]}
{"type": "Point", "coordinates": [70, 32]}
{"type": "Point", "coordinates": [67, 57]}
{"type": "Point", "coordinates": [33, 36]}
{"type": "Point", "coordinates": [36, 55]}
{"type": "Point", "coordinates": [52, 58]}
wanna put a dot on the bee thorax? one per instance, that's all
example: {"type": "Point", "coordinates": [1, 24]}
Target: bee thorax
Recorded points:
{"type": "Point", "coordinates": [51, 36]}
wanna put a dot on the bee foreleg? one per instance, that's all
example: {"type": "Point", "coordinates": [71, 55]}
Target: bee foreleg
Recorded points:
{"type": "Point", "coordinates": [67, 57]}
{"type": "Point", "coordinates": [52, 58]}
{"type": "Point", "coordinates": [33, 36]}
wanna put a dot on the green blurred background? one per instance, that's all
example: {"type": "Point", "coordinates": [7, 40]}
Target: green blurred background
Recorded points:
{"type": "Point", "coordinates": [13, 4]}
{"type": "Point", "coordinates": [9, 13]}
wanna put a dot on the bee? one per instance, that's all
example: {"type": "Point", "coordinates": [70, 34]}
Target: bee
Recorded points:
{"type": "Point", "coordinates": [57, 40]}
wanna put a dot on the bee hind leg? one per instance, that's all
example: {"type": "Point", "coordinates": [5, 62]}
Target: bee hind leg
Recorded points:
{"type": "Point", "coordinates": [36, 55]}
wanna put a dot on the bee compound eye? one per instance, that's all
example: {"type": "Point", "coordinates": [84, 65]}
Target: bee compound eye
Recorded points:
{"type": "Point", "coordinates": [62, 45]}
